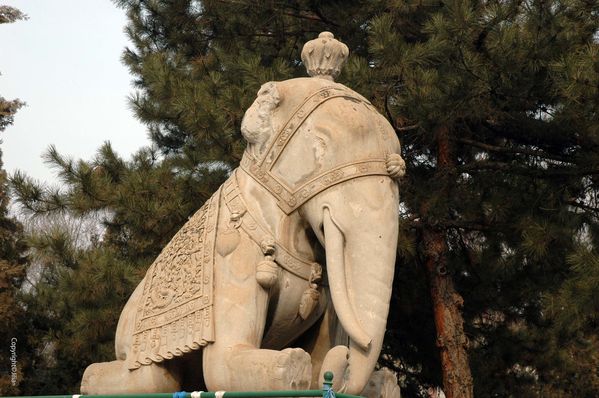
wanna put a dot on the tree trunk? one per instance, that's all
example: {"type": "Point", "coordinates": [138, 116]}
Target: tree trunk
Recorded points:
{"type": "Point", "coordinates": [451, 340]}
{"type": "Point", "coordinates": [447, 303]}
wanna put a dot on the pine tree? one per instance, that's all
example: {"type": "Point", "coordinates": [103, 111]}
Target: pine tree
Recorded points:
{"type": "Point", "coordinates": [495, 104]}
{"type": "Point", "coordinates": [77, 286]}
{"type": "Point", "coordinates": [8, 108]}
{"type": "Point", "coordinates": [12, 255]}
{"type": "Point", "coordinates": [13, 267]}
{"type": "Point", "coordinates": [494, 93]}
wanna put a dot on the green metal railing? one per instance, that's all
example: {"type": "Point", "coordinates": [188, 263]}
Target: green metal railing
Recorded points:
{"type": "Point", "coordinates": [326, 392]}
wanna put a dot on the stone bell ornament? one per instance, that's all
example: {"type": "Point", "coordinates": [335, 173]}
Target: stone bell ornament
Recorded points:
{"type": "Point", "coordinates": [267, 271]}
{"type": "Point", "coordinates": [311, 295]}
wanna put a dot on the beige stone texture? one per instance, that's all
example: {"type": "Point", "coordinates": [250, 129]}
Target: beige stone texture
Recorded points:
{"type": "Point", "coordinates": [287, 270]}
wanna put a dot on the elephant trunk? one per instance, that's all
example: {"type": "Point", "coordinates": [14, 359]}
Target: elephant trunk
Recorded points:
{"type": "Point", "coordinates": [359, 229]}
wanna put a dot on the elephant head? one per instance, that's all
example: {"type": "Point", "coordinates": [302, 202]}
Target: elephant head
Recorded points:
{"type": "Point", "coordinates": [324, 152]}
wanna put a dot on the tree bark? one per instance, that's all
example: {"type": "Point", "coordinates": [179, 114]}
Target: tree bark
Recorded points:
{"type": "Point", "coordinates": [447, 302]}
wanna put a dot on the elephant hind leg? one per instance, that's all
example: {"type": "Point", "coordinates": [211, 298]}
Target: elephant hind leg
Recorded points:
{"type": "Point", "coordinates": [115, 378]}
{"type": "Point", "coordinates": [125, 328]}
{"type": "Point", "coordinates": [244, 367]}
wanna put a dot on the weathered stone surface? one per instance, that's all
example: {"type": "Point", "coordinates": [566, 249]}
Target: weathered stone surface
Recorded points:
{"type": "Point", "coordinates": [382, 384]}
{"type": "Point", "coordinates": [287, 270]}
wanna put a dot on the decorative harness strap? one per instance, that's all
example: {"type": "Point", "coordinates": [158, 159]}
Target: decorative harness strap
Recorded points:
{"type": "Point", "coordinates": [242, 218]}
{"type": "Point", "coordinates": [267, 270]}
{"type": "Point", "coordinates": [288, 199]}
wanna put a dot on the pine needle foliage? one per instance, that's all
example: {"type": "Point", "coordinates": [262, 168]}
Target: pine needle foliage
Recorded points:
{"type": "Point", "coordinates": [513, 86]}
{"type": "Point", "coordinates": [70, 304]}
{"type": "Point", "coordinates": [13, 260]}
{"type": "Point", "coordinates": [13, 268]}
{"type": "Point", "coordinates": [505, 79]}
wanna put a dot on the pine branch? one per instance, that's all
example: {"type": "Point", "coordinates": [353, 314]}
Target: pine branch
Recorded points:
{"type": "Point", "coordinates": [499, 149]}
{"type": "Point", "coordinates": [419, 224]}
{"type": "Point", "coordinates": [10, 14]}
{"type": "Point", "coordinates": [467, 68]}
{"type": "Point", "coordinates": [575, 203]}
{"type": "Point", "coordinates": [309, 17]}
{"type": "Point", "coordinates": [533, 132]}
{"type": "Point", "coordinates": [322, 17]}
{"type": "Point", "coordinates": [469, 255]}
{"type": "Point", "coordinates": [531, 172]}
{"type": "Point", "coordinates": [390, 116]}
{"type": "Point", "coordinates": [35, 198]}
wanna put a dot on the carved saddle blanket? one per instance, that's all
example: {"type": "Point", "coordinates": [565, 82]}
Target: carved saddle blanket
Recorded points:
{"type": "Point", "coordinates": [175, 312]}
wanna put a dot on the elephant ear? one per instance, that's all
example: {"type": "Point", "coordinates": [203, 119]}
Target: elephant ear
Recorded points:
{"type": "Point", "coordinates": [268, 96]}
{"type": "Point", "coordinates": [256, 126]}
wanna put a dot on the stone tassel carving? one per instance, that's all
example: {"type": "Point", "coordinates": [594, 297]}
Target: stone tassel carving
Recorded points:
{"type": "Point", "coordinates": [311, 295]}
{"type": "Point", "coordinates": [396, 166]}
{"type": "Point", "coordinates": [267, 271]}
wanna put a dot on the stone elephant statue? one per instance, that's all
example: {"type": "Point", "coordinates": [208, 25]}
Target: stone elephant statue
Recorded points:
{"type": "Point", "coordinates": [287, 270]}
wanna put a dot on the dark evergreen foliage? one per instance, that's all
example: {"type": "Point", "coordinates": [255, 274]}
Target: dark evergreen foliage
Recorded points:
{"type": "Point", "coordinates": [13, 261]}
{"type": "Point", "coordinates": [13, 270]}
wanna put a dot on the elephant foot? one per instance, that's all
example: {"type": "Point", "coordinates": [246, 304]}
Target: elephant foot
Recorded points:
{"type": "Point", "coordinates": [336, 361]}
{"type": "Point", "coordinates": [292, 370]}
{"type": "Point", "coordinates": [382, 384]}
{"type": "Point", "coordinates": [115, 378]}
{"type": "Point", "coordinates": [251, 369]}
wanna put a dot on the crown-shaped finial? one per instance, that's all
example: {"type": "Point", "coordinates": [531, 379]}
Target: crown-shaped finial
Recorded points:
{"type": "Point", "coordinates": [324, 57]}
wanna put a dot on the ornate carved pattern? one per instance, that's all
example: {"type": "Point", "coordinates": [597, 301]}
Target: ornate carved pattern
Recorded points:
{"type": "Point", "coordinates": [335, 176]}
{"type": "Point", "coordinates": [300, 115]}
{"type": "Point", "coordinates": [175, 313]}
{"type": "Point", "coordinates": [288, 200]}
{"type": "Point", "coordinates": [259, 233]}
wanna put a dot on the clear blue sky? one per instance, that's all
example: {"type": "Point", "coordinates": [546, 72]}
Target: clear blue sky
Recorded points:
{"type": "Point", "coordinates": [64, 62]}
